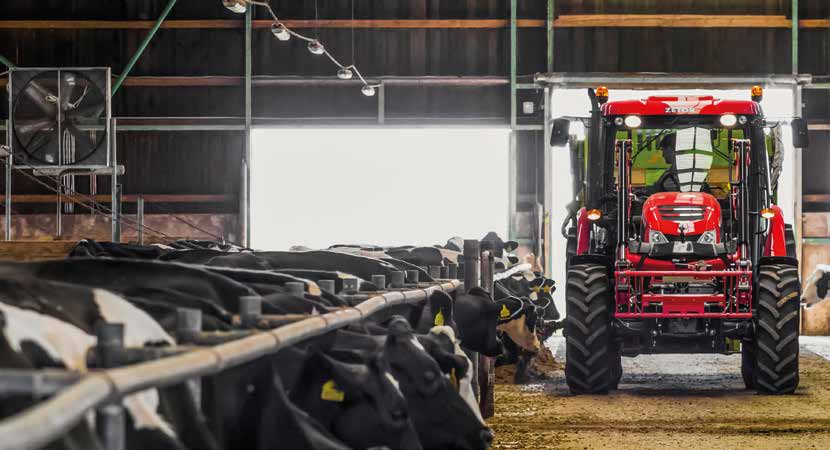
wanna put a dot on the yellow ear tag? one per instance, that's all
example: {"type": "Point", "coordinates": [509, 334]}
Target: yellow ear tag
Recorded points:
{"type": "Point", "coordinates": [330, 392]}
{"type": "Point", "coordinates": [547, 289]}
{"type": "Point", "coordinates": [439, 319]}
{"type": "Point", "coordinates": [504, 313]}
{"type": "Point", "coordinates": [536, 289]}
{"type": "Point", "coordinates": [454, 378]}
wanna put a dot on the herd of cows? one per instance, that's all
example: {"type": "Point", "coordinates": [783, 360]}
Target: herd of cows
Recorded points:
{"type": "Point", "coordinates": [405, 378]}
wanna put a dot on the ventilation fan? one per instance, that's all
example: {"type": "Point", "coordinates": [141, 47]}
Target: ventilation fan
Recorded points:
{"type": "Point", "coordinates": [59, 117]}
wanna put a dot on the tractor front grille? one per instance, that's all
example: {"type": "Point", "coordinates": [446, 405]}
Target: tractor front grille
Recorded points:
{"type": "Point", "coordinates": [681, 213]}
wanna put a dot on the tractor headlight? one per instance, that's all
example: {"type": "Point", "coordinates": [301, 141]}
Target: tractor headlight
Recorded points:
{"type": "Point", "coordinates": [656, 237]}
{"type": "Point", "coordinates": [633, 121]}
{"type": "Point", "coordinates": [728, 120]}
{"type": "Point", "coordinates": [708, 237]}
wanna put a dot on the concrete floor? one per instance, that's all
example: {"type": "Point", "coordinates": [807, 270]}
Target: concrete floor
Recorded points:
{"type": "Point", "coordinates": [670, 401]}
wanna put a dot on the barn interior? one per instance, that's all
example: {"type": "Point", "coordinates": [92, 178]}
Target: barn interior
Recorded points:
{"type": "Point", "coordinates": [209, 162]}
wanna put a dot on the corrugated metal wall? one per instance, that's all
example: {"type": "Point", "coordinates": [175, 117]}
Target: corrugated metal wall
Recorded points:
{"type": "Point", "coordinates": [176, 163]}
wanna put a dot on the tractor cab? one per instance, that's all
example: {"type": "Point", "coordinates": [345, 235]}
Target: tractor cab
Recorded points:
{"type": "Point", "coordinates": [676, 239]}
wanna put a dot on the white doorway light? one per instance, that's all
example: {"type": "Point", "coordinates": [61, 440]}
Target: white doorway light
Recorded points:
{"type": "Point", "coordinates": [408, 186]}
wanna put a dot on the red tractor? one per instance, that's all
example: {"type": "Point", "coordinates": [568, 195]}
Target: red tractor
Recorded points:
{"type": "Point", "coordinates": [675, 242]}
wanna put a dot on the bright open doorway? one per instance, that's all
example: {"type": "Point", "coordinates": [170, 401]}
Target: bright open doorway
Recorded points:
{"type": "Point", "coordinates": [418, 186]}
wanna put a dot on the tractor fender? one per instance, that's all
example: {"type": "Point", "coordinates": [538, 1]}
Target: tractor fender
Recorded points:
{"type": "Point", "coordinates": [593, 259]}
{"type": "Point", "coordinates": [776, 242]}
{"type": "Point", "coordinates": [781, 260]}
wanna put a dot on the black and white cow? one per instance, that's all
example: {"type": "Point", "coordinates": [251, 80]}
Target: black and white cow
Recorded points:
{"type": "Point", "coordinates": [51, 324]}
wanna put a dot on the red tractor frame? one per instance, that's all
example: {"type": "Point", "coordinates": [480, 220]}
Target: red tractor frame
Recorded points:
{"type": "Point", "coordinates": [672, 268]}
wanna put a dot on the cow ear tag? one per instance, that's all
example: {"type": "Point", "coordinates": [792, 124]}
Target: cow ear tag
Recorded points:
{"type": "Point", "coordinates": [439, 319]}
{"type": "Point", "coordinates": [330, 392]}
{"type": "Point", "coordinates": [454, 378]}
{"type": "Point", "coordinates": [504, 313]}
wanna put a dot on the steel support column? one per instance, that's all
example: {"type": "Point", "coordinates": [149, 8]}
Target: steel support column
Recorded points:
{"type": "Point", "coordinates": [513, 61]}
{"type": "Point", "coordinates": [798, 186]}
{"type": "Point", "coordinates": [512, 180]}
{"type": "Point", "coordinates": [245, 188]}
{"type": "Point", "coordinates": [8, 210]}
{"type": "Point", "coordinates": [550, 23]}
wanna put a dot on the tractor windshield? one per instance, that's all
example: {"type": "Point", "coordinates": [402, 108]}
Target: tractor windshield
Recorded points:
{"type": "Point", "coordinates": [683, 157]}
{"type": "Point", "coordinates": [693, 159]}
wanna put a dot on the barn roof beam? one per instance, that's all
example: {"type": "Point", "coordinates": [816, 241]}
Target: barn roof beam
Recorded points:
{"type": "Point", "coordinates": [562, 21]}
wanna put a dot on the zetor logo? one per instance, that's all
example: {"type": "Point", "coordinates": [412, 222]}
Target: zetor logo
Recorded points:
{"type": "Point", "coordinates": [680, 110]}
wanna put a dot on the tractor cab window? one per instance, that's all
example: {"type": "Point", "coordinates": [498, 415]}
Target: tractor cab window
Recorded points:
{"type": "Point", "coordinates": [690, 159]}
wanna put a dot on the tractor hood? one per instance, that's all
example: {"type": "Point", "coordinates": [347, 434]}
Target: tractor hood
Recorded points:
{"type": "Point", "coordinates": [693, 213]}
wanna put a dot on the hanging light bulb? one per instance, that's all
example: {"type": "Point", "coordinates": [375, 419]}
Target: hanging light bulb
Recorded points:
{"type": "Point", "coordinates": [316, 48]}
{"type": "Point", "coordinates": [345, 73]}
{"type": "Point", "coordinates": [368, 91]}
{"type": "Point", "coordinates": [237, 6]}
{"type": "Point", "coordinates": [280, 32]}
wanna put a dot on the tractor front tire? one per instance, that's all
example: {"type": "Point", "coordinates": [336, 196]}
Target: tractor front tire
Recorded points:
{"type": "Point", "coordinates": [777, 312]}
{"type": "Point", "coordinates": [588, 365]}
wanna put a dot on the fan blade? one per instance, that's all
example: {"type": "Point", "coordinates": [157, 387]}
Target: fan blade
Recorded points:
{"type": "Point", "coordinates": [27, 126]}
{"type": "Point", "coordinates": [39, 96]}
{"type": "Point", "coordinates": [91, 111]}
{"type": "Point", "coordinates": [68, 84]}
{"type": "Point", "coordinates": [38, 142]}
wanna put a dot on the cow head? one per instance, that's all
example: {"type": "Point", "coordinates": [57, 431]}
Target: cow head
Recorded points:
{"type": "Point", "coordinates": [476, 315]}
{"type": "Point", "coordinates": [443, 419]}
{"type": "Point", "coordinates": [361, 403]}
{"type": "Point", "coordinates": [517, 319]}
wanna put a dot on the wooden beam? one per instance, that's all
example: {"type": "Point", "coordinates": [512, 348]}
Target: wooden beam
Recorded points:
{"type": "Point", "coordinates": [817, 198]}
{"type": "Point", "coordinates": [671, 21]}
{"type": "Point", "coordinates": [230, 24]}
{"type": "Point", "coordinates": [152, 198]}
{"type": "Point", "coordinates": [566, 21]}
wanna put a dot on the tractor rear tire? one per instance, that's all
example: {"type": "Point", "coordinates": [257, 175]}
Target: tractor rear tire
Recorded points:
{"type": "Point", "coordinates": [777, 312]}
{"type": "Point", "coordinates": [588, 366]}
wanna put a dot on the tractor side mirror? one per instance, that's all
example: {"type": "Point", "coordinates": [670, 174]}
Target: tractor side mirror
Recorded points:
{"type": "Point", "coordinates": [801, 135]}
{"type": "Point", "coordinates": [560, 134]}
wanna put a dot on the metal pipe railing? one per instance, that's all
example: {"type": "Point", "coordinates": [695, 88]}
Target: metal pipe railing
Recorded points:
{"type": "Point", "coordinates": [43, 423]}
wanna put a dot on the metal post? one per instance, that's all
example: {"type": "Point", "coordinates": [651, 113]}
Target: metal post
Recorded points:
{"type": "Point", "coordinates": [250, 310]}
{"type": "Point", "coordinates": [397, 279]}
{"type": "Point", "coordinates": [382, 104]}
{"type": "Point", "coordinates": [379, 281]}
{"type": "Point", "coordinates": [140, 215]}
{"type": "Point", "coordinates": [245, 205]}
{"type": "Point", "coordinates": [550, 23]}
{"type": "Point", "coordinates": [117, 207]}
{"type": "Point", "coordinates": [144, 44]}
{"type": "Point", "coordinates": [487, 266]}
{"type": "Point", "coordinates": [472, 256]}
{"type": "Point", "coordinates": [327, 286]}
{"type": "Point", "coordinates": [513, 55]}
{"type": "Point", "coordinates": [513, 187]}
{"type": "Point", "coordinates": [188, 326]}
{"type": "Point", "coordinates": [798, 186]}
{"type": "Point", "coordinates": [435, 272]}
{"type": "Point", "coordinates": [295, 288]}
{"type": "Point", "coordinates": [452, 271]}
{"type": "Point", "coordinates": [444, 272]}
{"type": "Point", "coordinates": [548, 232]}
{"type": "Point", "coordinates": [9, 162]}
{"type": "Point", "coordinates": [110, 420]}
{"type": "Point", "coordinates": [413, 276]}
{"type": "Point", "coordinates": [114, 179]}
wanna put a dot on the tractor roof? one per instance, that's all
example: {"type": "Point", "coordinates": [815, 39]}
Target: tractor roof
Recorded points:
{"type": "Point", "coordinates": [680, 105]}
